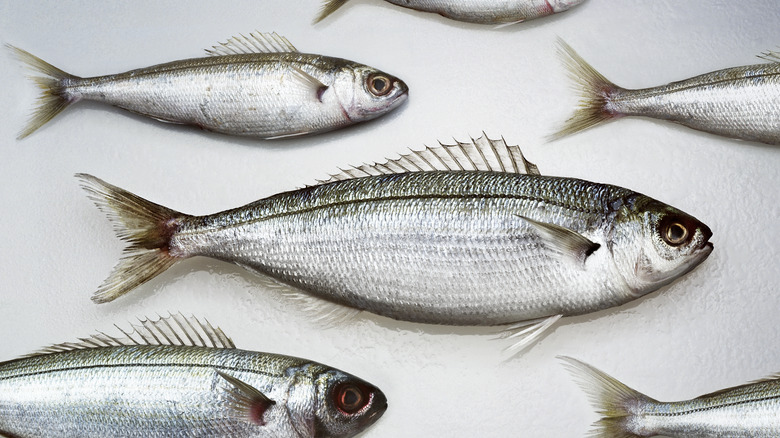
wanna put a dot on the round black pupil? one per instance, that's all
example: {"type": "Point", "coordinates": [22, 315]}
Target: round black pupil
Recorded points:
{"type": "Point", "coordinates": [676, 232]}
{"type": "Point", "coordinates": [380, 85]}
{"type": "Point", "coordinates": [351, 397]}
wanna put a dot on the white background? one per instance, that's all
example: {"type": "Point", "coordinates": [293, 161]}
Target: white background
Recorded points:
{"type": "Point", "coordinates": [714, 328]}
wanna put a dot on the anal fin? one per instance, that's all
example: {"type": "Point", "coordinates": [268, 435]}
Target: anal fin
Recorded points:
{"type": "Point", "coordinates": [527, 332]}
{"type": "Point", "coordinates": [246, 402]}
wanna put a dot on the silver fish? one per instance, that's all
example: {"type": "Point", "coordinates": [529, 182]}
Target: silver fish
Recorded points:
{"type": "Point", "coordinates": [450, 235]}
{"type": "Point", "coordinates": [739, 102]}
{"type": "Point", "coordinates": [257, 85]}
{"type": "Point", "coordinates": [751, 410]}
{"type": "Point", "coordinates": [475, 11]}
{"type": "Point", "coordinates": [178, 377]}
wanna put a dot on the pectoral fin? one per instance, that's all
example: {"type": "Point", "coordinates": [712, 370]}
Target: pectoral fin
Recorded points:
{"type": "Point", "coordinates": [564, 241]}
{"type": "Point", "coordinates": [246, 402]}
{"type": "Point", "coordinates": [308, 81]}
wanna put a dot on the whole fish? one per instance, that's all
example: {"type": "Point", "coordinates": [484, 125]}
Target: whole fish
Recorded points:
{"type": "Point", "coordinates": [739, 102]}
{"type": "Point", "coordinates": [178, 377]}
{"type": "Point", "coordinates": [449, 235]}
{"type": "Point", "coordinates": [258, 86]}
{"type": "Point", "coordinates": [475, 11]}
{"type": "Point", "coordinates": [751, 410]}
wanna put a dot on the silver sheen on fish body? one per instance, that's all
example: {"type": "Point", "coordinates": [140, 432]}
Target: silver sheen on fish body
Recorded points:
{"type": "Point", "coordinates": [751, 410]}
{"type": "Point", "coordinates": [465, 234]}
{"type": "Point", "coordinates": [475, 11]}
{"type": "Point", "coordinates": [257, 85]}
{"type": "Point", "coordinates": [739, 102]}
{"type": "Point", "coordinates": [178, 377]}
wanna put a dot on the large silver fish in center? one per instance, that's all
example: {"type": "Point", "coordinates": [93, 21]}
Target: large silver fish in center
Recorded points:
{"type": "Point", "coordinates": [174, 378]}
{"type": "Point", "coordinates": [449, 235]}
{"type": "Point", "coordinates": [257, 85]}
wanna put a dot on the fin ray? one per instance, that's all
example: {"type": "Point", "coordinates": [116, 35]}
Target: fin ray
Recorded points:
{"type": "Point", "coordinates": [564, 241]}
{"type": "Point", "coordinates": [527, 332]}
{"type": "Point", "coordinates": [245, 401]}
{"type": "Point", "coordinates": [595, 89]}
{"type": "Point", "coordinates": [256, 42]}
{"type": "Point", "coordinates": [328, 7]}
{"type": "Point", "coordinates": [53, 99]}
{"type": "Point", "coordinates": [150, 332]}
{"type": "Point", "coordinates": [482, 154]}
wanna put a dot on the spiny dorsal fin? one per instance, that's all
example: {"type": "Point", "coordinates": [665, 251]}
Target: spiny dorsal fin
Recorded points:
{"type": "Point", "coordinates": [175, 329]}
{"type": "Point", "coordinates": [483, 154]}
{"type": "Point", "coordinates": [256, 42]}
{"type": "Point", "coordinates": [770, 55]}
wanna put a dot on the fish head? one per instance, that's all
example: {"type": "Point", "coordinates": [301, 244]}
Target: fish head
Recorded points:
{"type": "Point", "coordinates": [345, 404]}
{"type": "Point", "coordinates": [655, 243]}
{"type": "Point", "coordinates": [563, 5]}
{"type": "Point", "coordinates": [365, 93]}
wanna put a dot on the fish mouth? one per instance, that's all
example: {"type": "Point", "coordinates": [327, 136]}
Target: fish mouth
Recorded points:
{"type": "Point", "coordinates": [379, 409]}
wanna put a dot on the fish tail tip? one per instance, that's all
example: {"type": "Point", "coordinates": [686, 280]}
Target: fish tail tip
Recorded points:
{"type": "Point", "coordinates": [328, 7]}
{"type": "Point", "coordinates": [613, 399]}
{"type": "Point", "coordinates": [595, 89]}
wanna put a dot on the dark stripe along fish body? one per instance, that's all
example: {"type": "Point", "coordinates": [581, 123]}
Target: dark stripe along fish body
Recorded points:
{"type": "Point", "coordinates": [417, 240]}
{"type": "Point", "coordinates": [152, 386]}
{"type": "Point", "coordinates": [257, 85]}
{"type": "Point", "coordinates": [750, 410]}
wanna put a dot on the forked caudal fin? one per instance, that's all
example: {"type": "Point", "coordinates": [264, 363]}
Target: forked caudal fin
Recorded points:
{"type": "Point", "coordinates": [53, 99]}
{"type": "Point", "coordinates": [328, 7]}
{"type": "Point", "coordinates": [612, 399]}
{"type": "Point", "coordinates": [596, 91]}
{"type": "Point", "coordinates": [146, 226]}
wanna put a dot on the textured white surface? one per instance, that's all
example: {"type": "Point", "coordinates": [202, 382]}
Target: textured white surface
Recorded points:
{"type": "Point", "coordinates": [714, 328]}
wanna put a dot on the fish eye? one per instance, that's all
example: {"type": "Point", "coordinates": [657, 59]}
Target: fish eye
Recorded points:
{"type": "Point", "coordinates": [675, 233]}
{"type": "Point", "coordinates": [379, 85]}
{"type": "Point", "coordinates": [350, 398]}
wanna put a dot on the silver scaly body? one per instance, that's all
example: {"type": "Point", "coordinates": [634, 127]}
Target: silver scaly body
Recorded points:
{"type": "Point", "coordinates": [740, 102]}
{"type": "Point", "coordinates": [258, 86]}
{"type": "Point", "coordinates": [465, 234]}
{"type": "Point", "coordinates": [751, 410]}
{"type": "Point", "coordinates": [156, 391]}
{"type": "Point", "coordinates": [476, 11]}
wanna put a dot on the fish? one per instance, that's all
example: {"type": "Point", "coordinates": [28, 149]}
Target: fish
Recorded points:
{"type": "Point", "coordinates": [474, 11]}
{"type": "Point", "coordinates": [174, 377]}
{"type": "Point", "coordinates": [750, 410]}
{"type": "Point", "coordinates": [465, 234]}
{"type": "Point", "coordinates": [258, 85]}
{"type": "Point", "coordinates": [738, 102]}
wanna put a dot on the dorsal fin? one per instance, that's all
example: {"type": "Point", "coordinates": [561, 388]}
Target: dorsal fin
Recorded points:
{"type": "Point", "coordinates": [481, 154]}
{"type": "Point", "coordinates": [771, 56]}
{"type": "Point", "coordinates": [175, 329]}
{"type": "Point", "coordinates": [256, 42]}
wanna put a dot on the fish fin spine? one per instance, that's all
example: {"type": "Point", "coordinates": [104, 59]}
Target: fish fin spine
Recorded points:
{"type": "Point", "coordinates": [482, 154]}
{"type": "Point", "coordinates": [256, 42]}
{"type": "Point", "coordinates": [596, 92]}
{"type": "Point", "coordinates": [616, 402]}
{"type": "Point", "coordinates": [54, 97]}
{"type": "Point", "coordinates": [328, 7]}
{"type": "Point", "coordinates": [527, 332]}
{"type": "Point", "coordinates": [146, 226]}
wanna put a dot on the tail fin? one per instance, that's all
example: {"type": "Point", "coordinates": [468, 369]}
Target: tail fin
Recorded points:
{"type": "Point", "coordinates": [612, 399]}
{"type": "Point", "coordinates": [53, 100]}
{"type": "Point", "coordinates": [595, 89]}
{"type": "Point", "coordinates": [328, 7]}
{"type": "Point", "coordinates": [147, 226]}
